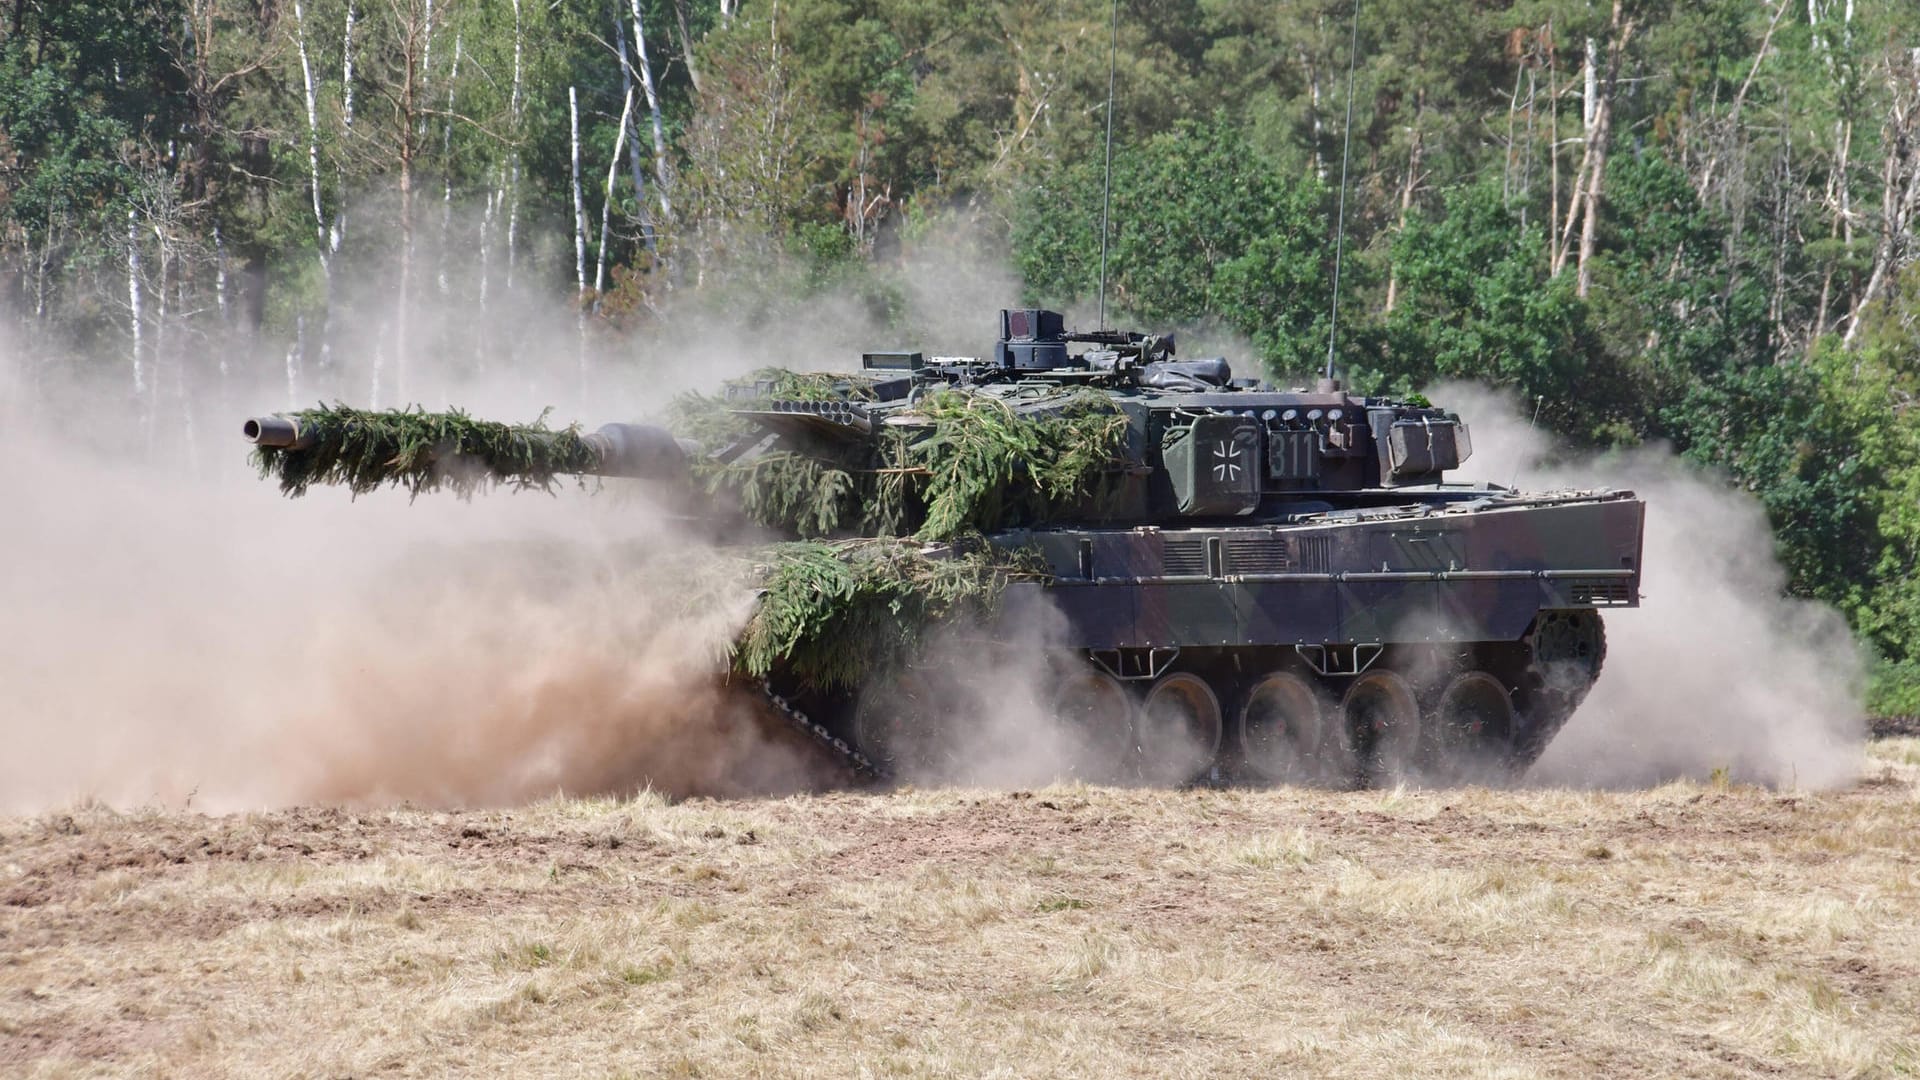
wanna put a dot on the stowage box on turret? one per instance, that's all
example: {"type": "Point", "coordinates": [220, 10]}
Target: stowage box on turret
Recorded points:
{"type": "Point", "coordinates": [1250, 583]}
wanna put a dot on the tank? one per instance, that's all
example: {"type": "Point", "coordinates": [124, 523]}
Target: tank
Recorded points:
{"type": "Point", "coordinates": [1221, 580]}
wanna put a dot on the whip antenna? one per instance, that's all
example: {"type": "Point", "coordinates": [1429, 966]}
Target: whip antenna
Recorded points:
{"type": "Point", "coordinates": [1340, 224]}
{"type": "Point", "coordinates": [1106, 184]}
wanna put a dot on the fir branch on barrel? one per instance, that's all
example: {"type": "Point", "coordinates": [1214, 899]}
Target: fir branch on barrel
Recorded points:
{"type": "Point", "coordinates": [420, 451]}
{"type": "Point", "coordinates": [832, 615]}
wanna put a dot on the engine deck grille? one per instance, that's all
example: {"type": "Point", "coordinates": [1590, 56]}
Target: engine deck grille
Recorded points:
{"type": "Point", "coordinates": [1257, 555]}
{"type": "Point", "coordinates": [1315, 553]}
{"type": "Point", "coordinates": [1184, 557]}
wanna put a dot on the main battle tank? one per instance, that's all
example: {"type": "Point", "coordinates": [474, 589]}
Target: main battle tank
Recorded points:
{"type": "Point", "coordinates": [1238, 582]}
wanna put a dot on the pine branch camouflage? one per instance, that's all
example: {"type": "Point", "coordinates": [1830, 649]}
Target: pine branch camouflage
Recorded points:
{"type": "Point", "coordinates": [364, 450]}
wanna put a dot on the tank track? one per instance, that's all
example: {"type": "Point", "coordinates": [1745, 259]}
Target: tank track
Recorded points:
{"type": "Point", "coordinates": [1550, 706]}
{"type": "Point", "coordinates": [1545, 696]}
{"type": "Point", "coordinates": [848, 756]}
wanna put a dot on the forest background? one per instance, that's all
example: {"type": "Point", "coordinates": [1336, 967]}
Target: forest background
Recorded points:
{"type": "Point", "coordinates": [1680, 223]}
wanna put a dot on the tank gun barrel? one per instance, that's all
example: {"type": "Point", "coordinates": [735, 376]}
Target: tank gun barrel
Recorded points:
{"type": "Point", "coordinates": [417, 444]}
{"type": "Point", "coordinates": [637, 451]}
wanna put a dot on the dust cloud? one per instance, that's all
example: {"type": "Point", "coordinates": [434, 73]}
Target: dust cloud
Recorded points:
{"type": "Point", "coordinates": [175, 632]}
{"type": "Point", "coordinates": [1012, 704]}
{"type": "Point", "coordinates": [1718, 669]}
{"type": "Point", "coordinates": [170, 641]}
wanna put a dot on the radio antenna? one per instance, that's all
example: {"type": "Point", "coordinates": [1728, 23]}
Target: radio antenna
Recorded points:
{"type": "Point", "coordinates": [1106, 184]}
{"type": "Point", "coordinates": [1340, 224]}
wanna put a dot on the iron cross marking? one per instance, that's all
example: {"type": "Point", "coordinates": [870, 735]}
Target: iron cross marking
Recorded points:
{"type": "Point", "coordinates": [1226, 461]}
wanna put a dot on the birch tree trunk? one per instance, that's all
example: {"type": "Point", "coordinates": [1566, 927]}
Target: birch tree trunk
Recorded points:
{"type": "Point", "coordinates": [1839, 191]}
{"type": "Point", "coordinates": [660, 181]}
{"type": "Point", "coordinates": [220, 285]}
{"type": "Point", "coordinates": [1511, 162]}
{"type": "Point", "coordinates": [313, 131]}
{"type": "Point", "coordinates": [1590, 179]}
{"type": "Point", "coordinates": [446, 167]}
{"type": "Point", "coordinates": [1898, 199]}
{"type": "Point", "coordinates": [579, 207]}
{"type": "Point", "coordinates": [294, 349]}
{"type": "Point", "coordinates": [426, 68]}
{"type": "Point", "coordinates": [134, 304]}
{"type": "Point", "coordinates": [43, 270]}
{"type": "Point", "coordinates": [1407, 189]}
{"type": "Point", "coordinates": [157, 356]}
{"type": "Point", "coordinates": [1553, 150]}
{"type": "Point", "coordinates": [487, 216]}
{"type": "Point", "coordinates": [606, 202]}
{"type": "Point", "coordinates": [513, 158]}
{"type": "Point", "coordinates": [339, 229]}
{"type": "Point", "coordinates": [633, 140]}
{"type": "Point", "coordinates": [1589, 90]}
{"type": "Point", "coordinates": [1313, 114]}
{"type": "Point", "coordinates": [417, 34]}
{"type": "Point", "coordinates": [1596, 177]}
{"type": "Point", "coordinates": [686, 45]}
{"type": "Point", "coordinates": [579, 248]}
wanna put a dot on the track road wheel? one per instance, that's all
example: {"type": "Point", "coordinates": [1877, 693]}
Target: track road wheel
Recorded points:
{"type": "Point", "coordinates": [898, 724]}
{"type": "Point", "coordinates": [1472, 726]}
{"type": "Point", "coordinates": [1383, 719]}
{"type": "Point", "coordinates": [1179, 729]}
{"type": "Point", "coordinates": [1285, 733]}
{"type": "Point", "coordinates": [1096, 714]}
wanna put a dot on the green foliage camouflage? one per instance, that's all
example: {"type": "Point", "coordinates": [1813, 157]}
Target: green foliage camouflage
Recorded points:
{"type": "Point", "coordinates": [833, 614]}
{"type": "Point", "coordinates": [364, 450]}
{"type": "Point", "coordinates": [983, 466]}
{"type": "Point", "coordinates": [966, 462]}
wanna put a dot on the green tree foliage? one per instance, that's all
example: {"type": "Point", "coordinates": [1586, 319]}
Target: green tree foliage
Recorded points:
{"type": "Point", "coordinates": [1477, 302]}
{"type": "Point", "coordinates": [1688, 223]}
{"type": "Point", "coordinates": [1202, 226]}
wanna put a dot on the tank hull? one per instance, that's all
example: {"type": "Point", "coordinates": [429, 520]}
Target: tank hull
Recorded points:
{"type": "Point", "coordinates": [1466, 573]}
{"type": "Point", "coordinates": [1471, 625]}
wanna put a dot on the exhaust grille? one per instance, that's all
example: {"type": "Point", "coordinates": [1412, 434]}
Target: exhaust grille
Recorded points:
{"type": "Point", "coordinates": [1185, 557]}
{"type": "Point", "coordinates": [1315, 553]}
{"type": "Point", "coordinates": [1257, 555]}
{"type": "Point", "coordinates": [1600, 592]}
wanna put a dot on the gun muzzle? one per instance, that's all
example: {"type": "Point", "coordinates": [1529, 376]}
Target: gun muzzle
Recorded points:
{"type": "Point", "coordinates": [274, 431]}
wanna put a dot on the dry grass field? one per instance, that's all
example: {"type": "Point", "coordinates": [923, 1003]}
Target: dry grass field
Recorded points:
{"type": "Point", "coordinates": [1704, 930]}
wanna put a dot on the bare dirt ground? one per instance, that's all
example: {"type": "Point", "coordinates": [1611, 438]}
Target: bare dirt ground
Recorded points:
{"type": "Point", "coordinates": [1706, 930]}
